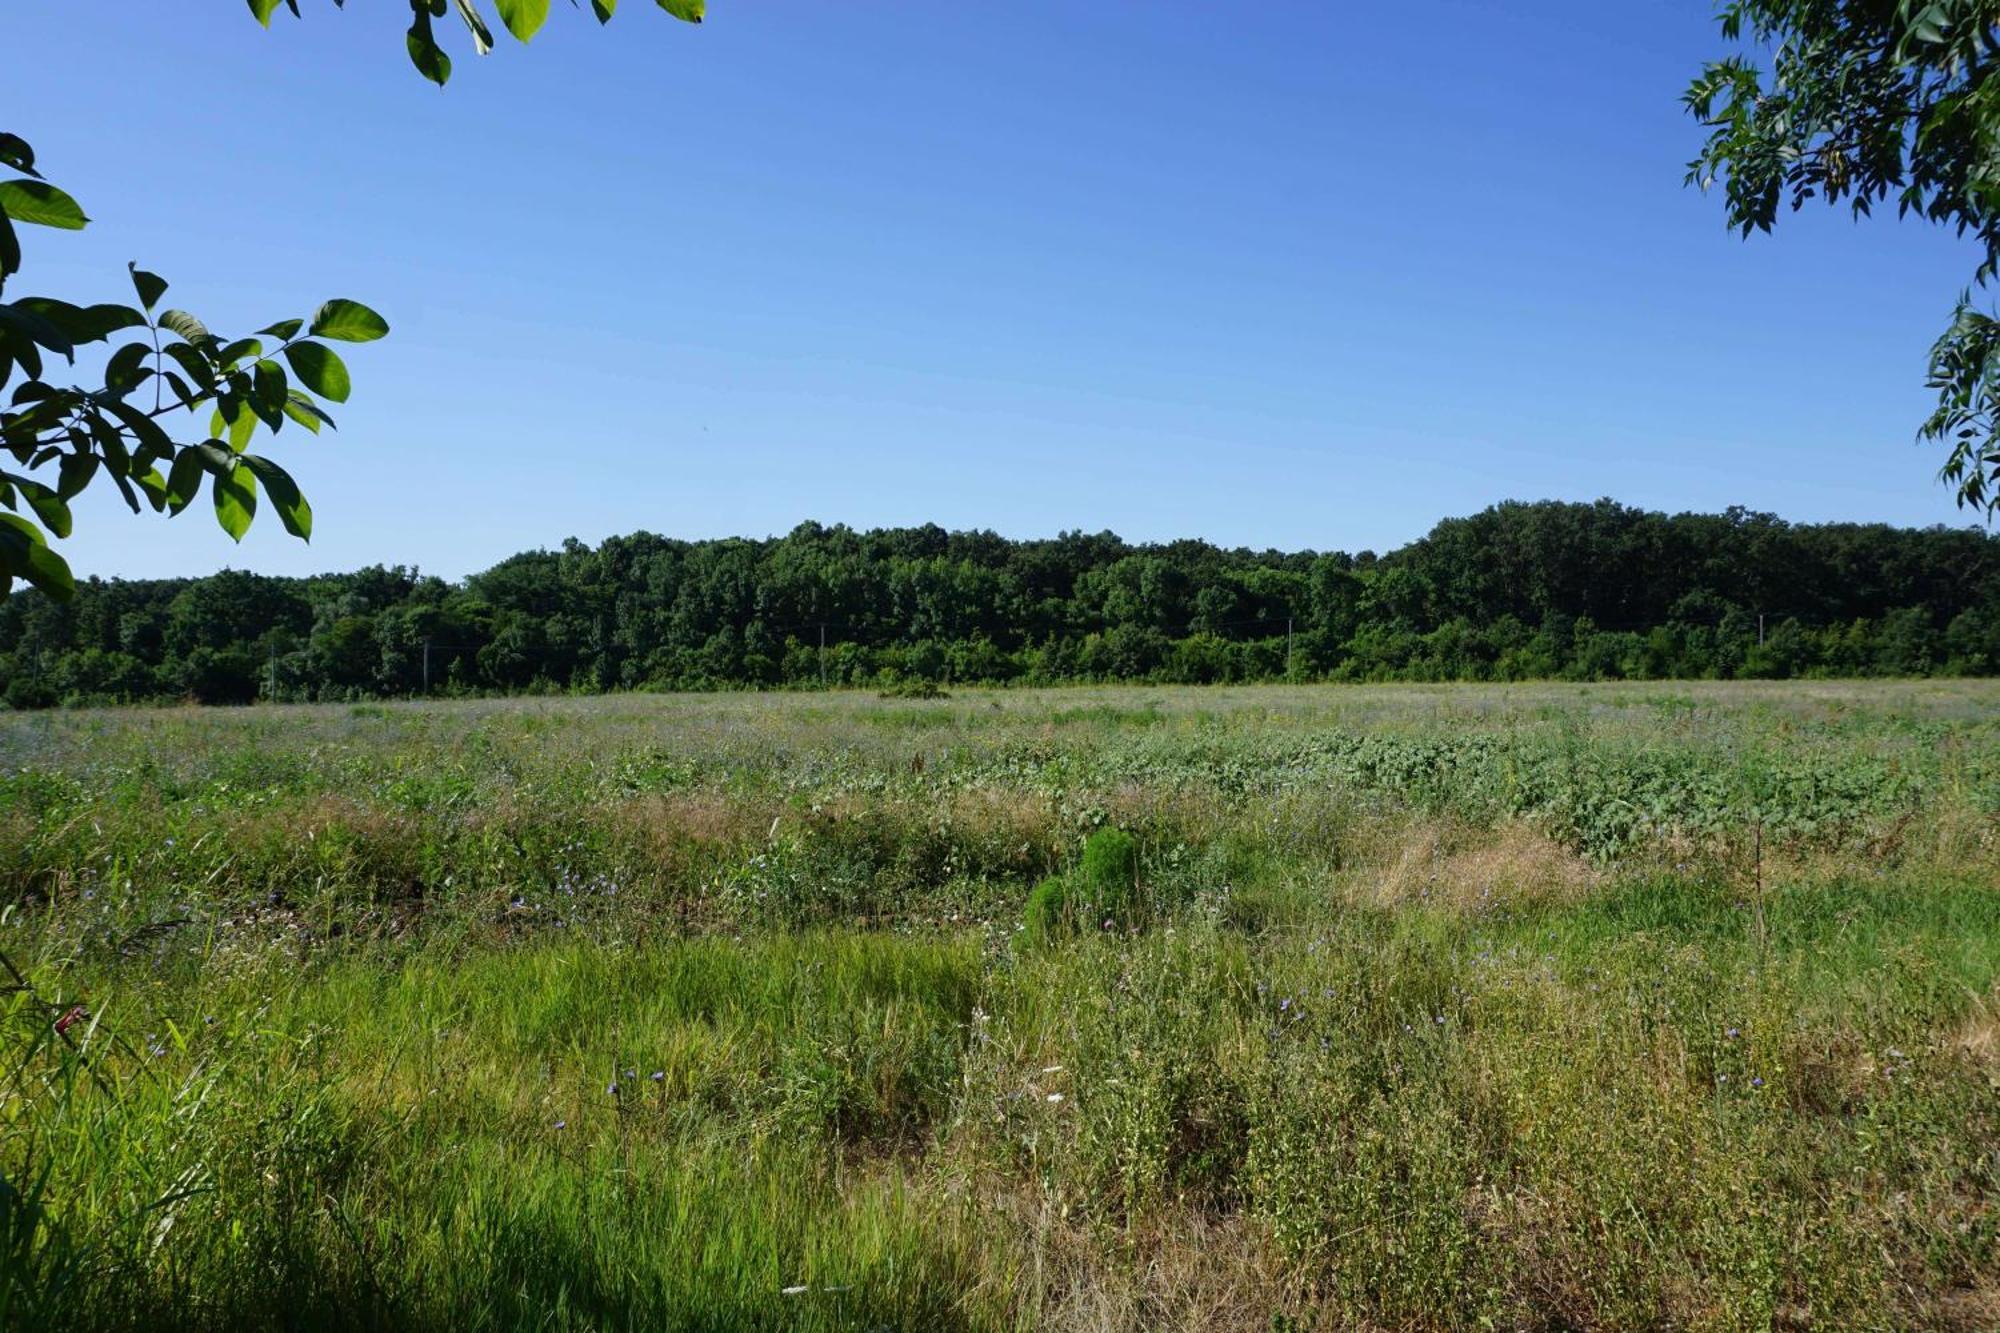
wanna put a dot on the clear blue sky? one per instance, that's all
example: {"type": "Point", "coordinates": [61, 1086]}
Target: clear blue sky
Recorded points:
{"type": "Point", "coordinates": [1285, 274]}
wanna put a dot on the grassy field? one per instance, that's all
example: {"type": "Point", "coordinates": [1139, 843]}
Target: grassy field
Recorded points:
{"type": "Point", "coordinates": [1536, 1007]}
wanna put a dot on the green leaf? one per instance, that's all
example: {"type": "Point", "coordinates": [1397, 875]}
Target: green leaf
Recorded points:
{"type": "Point", "coordinates": [47, 504]}
{"type": "Point", "coordinates": [319, 370]}
{"type": "Point", "coordinates": [42, 204]}
{"type": "Point", "coordinates": [15, 153]}
{"type": "Point", "coordinates": [194, 363]}
{"type": "Point", "coordinates": [348, 322]}
{"type": "Point", "coordinates": [284, 329]}
{"type": "Point", "coordinates": [482, 40]}
{"type": "Point", "coordinates": [603, 9]}
{"type": "Point", "coordinates": [24, 319]}
{"type": "Point", "coordinates": [181, 323]}
{"type": "Point", "coordinates": [150, 286]}
{"type": "Point", "coordinates": [184, 480]}
{"type": "Point", "coordinates": [83, 323]}
{"type": "Point", "coordinates": [235, 495]}
{"type": "Point", "coordinates": [262, 9]}
{"type": "Point", "coordinates": [688, 10]}
{"type": "Point", "coordinates": [523, 18]}
{"type": "Point", "coordinates": [130, 496]}
{"type": "Point", "coordinates": [152, 437]}
{"type": "Point", "coordinates": [73, 474]}
{"type": "Point", "coordinates": [19, 351]}
{"type": "Point", "coordinates": [127, 369]}
{"type": "Point", "coordinates": [215, 456]}
{"type": "Point", "coordinates": [236, 351]}
{"type": "Point", "coordinates": [306, 412]}
{"type": "Point", "coordinates": [25, 553]}
{"type": "Point", "coordinates": [155, 486]}
{"type": "Point", "coordinates": [242, 425]}
{"type": "Point", "coordinates": [117, 458]}
{"type": "Point", "coordinates": [268, 393]}
{"type": "Point", "coordinates": [293, 511]}
{"type": "Point", "coordinates": [10, 248]}
{"type": "Point", "coordinates": [425, 54]}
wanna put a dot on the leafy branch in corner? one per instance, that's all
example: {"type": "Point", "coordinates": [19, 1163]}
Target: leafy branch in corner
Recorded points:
{"type": "Point", "coordinates": [1865, 102]}
{"type": "Point", "coordinates": [65, 437]}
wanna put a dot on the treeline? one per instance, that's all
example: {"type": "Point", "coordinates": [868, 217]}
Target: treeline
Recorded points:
{"type": "Point", "coordinates": [1520, 591]}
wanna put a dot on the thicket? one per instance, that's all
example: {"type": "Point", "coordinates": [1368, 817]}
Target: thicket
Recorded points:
{"type": "Point", "coordinates": [1520, 591]}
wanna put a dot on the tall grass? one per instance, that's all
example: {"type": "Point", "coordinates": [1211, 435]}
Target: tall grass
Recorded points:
{"type": "Point", "coordinates": [718, 1013]}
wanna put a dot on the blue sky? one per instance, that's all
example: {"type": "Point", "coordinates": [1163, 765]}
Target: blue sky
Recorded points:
{"type": "Point", "coordinates": [1288, 274]}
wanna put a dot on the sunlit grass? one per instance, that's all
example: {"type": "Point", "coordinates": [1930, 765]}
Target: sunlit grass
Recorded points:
{"type": "Point", "coordinates": [716, 1014]}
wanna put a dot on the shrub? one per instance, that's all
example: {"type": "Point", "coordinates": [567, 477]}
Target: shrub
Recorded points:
{"type": "Point", "coordinates": [1108, 879]}
{"type": "Point", "coordinates": [1103, 890]}
{"type": "Point", "coordinates": [1047, 914]}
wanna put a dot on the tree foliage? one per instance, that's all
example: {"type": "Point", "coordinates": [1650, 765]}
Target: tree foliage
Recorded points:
{"type": "Point", "coordinates": [1865, 102]}
{"type": "Point", "coordinates": [1518, 591]}
{"type": "Point", "coordinates": [522, 19]}
{"type": "Point", "coordinates": [170, 378]}
{"type": "Point", "coordinates": [175, 408]}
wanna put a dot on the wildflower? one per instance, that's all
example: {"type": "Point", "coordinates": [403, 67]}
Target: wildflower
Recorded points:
{"type": "Point", "coordinates": [659, 1076]}
{"type": "Point", "coordinates": [793, 1291]}
{"type": "Point", "coordinates": [1284, 1004]}
{"type": "Point", "coordinates": [1733, 1033]}
{"type": "Point", "coordinates": [1054, 1098]}
{"type": "Point", "coordinates": [1757, 1082]}
{"type": "Point", "coordinates": [71, 1017]}
{"type": "Point", "coordinates": [612, 1087]}
{"type": "Point", "coordinates": [562, 1124]}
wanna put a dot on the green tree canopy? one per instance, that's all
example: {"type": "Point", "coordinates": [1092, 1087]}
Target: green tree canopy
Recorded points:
{"type": "Point", "coordinates": [1864, 102]}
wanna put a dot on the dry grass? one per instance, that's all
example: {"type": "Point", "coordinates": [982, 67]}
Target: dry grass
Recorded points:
{"type": "Point", "coordinates": [1183, 1270]}
{"type": "Point", "coordinates": [1467, 869]}
{"type": "Point", "coordinates": [1978, 1038]}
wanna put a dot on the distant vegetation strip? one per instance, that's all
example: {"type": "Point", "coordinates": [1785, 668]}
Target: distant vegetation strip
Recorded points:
{"type": "Point", "coordinates": [1520, 591]}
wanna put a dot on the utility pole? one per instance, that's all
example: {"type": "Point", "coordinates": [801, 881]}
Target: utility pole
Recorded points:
{"type": "Point", "coordinates": [1760, 629]}
{"type": "Point", "coordinates": [427, 666]}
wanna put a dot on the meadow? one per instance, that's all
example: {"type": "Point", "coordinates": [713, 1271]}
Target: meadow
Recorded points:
{"type": "Point", "coordinates": [1550, 1007]}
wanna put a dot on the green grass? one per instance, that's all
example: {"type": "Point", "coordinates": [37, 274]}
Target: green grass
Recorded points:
{"type": "Point", "coordinates": [1459, 1008]}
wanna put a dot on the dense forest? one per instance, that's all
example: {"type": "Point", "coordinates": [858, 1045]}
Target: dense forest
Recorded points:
{"type": "Point", "coordinates": [1520, 591]}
